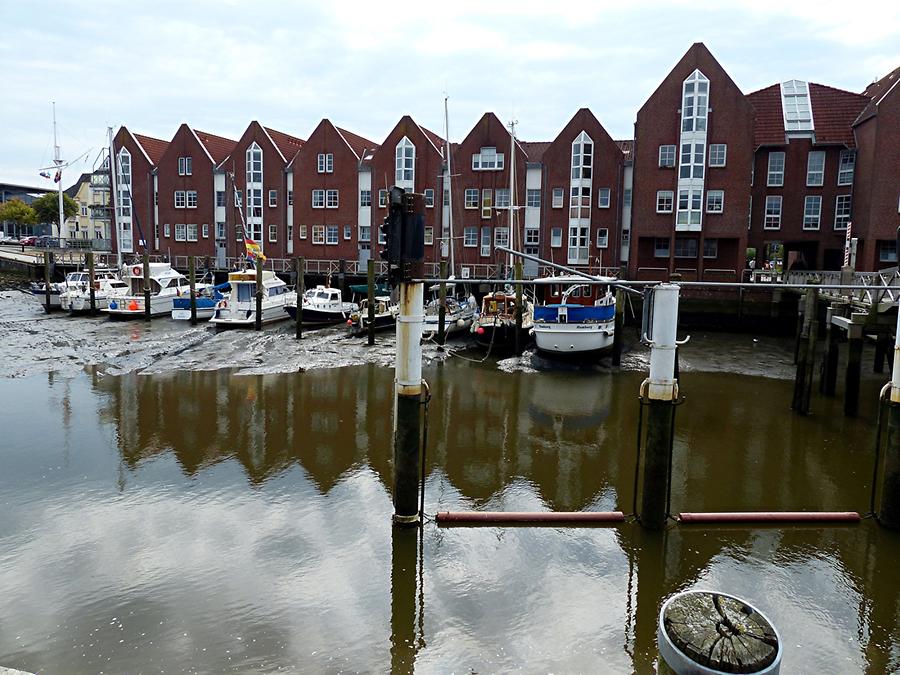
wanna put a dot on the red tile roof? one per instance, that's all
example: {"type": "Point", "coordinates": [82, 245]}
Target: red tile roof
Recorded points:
{"type": "Point", "coordinates": [217, 146]}
{"type": "Point", "coordinates": [154, 147]}
{"type": "Point", "coordinates": [287, 145]}
{"type": "Point", "coordinates": [833, 112]}
{"type": "Point", "coordinates": [434, 138]}
{"type": "Point", "coordinates": [357, 143]}
{"type": "Point", "coordinates": [535, 149]}
{"type": "Point", "coordinates": [875, 92]}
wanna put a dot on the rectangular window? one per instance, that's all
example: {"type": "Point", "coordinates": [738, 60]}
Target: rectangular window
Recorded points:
{"type": "Point", "coordinates": [205, 230]}
{"type": "Point", "coordinates": [485, 241]}
{"type": "Point", "coordinates": [167, 230]}
{"type": "Point", "coordinates": [887, 251]}
{"type": "Point", "coordinates": [692, 155]}
{"type": "Point", "coordinates": [556, 237]}
{"type": "Point", "coordinates": [331, 235]}
{"type": "Point", "coordinates": [180, 232]}
{"type": "Point", "coordinates": [626, 197]}
{"type": "Point", "coordinates": [318, 234]}
{"type": "Point", "coordinates": [273, 198]}
{"type": "Point", "coordinates": [660, 248]}
{"type": "Point", "coordinates": [445, 194]}
{"type": "Point", "coordinates": [184, 166]}
{"type": "Point", "coordinates": [501, 236]}
{"type": "Point", "coordinates": [290, 232]}
{"type": "Point", "coordinates": [318, 199]}
{"type": "Point", "coordinates": [238, 198]}
{"type": "Point", "coordinates": [220, 197]}
{"type": "Point", "coordinates": [710, 248]}
{"type": "Point", "coordinates": [348, 232]}
{"type": "Point", "coordinates": [429, 198]}
{"type": "Point", "coordinates": [580, 202]}
{"type": "Point", "coordinates": [667, 156]}
{"type": "Point", "coordinates": [192, 199]}
{"type": "Point", "coordinates": [557, 202]}
{"type": "Point", "coordinates": [847, 166]}
{"type": "Point", "coordinates": [715, 201]}
{"type": "Point", "coordinates": [775, 176]}
{"type": "Point", "coordinates": [603, 198]}
{"type": "Point", "coordinates": [303, 231]}
{"type": "Point", "coordinates": [815, 168]}
{"type": "Point", "coordinates": [192, 232]}
{"type": "Point", "coordinates": [533, 198]}
{"type": "Point", "coordinates": [471, 198]}
{"type": "Point", "coordinates": [365, 233]}
{"type": "Point", "coordinates": [429, 236]}
{"type": "Point", "coordinates": [532, 236]}
{"type": "Point", "coordinates": [602, 237]}
{"type": "Point", "coordinates": [179, 199]}
{"type": "Point", "coordinates": [290, 197]}
{"type": "Point", "coordinates": [503, 198]}
{"type": "Point", "coordinates": [382, 198]}
{"type": "Point", "coordinates": [841, 212]}
{"type": "Point", "coordinates": [773, 212]}
{"type": "Point", "coordinates": [470, 237]}
{"type": "Point", "coordinates": [812, 212]}
{"type": "Point", "coordinates": [365, 198]}
{"type": "Point", "coordinates": [689, 206]}
{"type": "Point", "coordinates": [685, 247]}
{"type": "Point", "coordinates": [665, 201]}
{"type": "Point", "coordinates": [717, 152]}
{"type": "Point", "coordinates": [239, 232]}
{"type": "Point", "coordinates": [220, 230]}
{"type": "Point", "coordinates": [325, 163]}
{"type": "Point", "coordinates": [487, 203]}
{"type": "Point", "coordinates": [273, 233]}
{"type": "Point", "coordinates": [331, 200]}
{"type": "Point", "coordinates": [487, 160]}
{"type": "Point", "coordinates": [155, 198]}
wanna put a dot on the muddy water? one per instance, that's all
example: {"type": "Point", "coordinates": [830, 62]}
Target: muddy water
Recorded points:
{"type": "Point", "coordinates": [157, 517]}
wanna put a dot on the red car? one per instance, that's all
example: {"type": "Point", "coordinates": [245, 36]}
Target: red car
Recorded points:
{"type": "Point", "coordinates": [28, 241]}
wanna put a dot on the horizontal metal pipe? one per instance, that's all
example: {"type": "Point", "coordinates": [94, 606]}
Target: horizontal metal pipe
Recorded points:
{"type": "Point", "coordinates": [691, 284]}
{"type": "Point", "coordinates": [530, 517]}
{"type": "Point", "coordinates": [771, 517]}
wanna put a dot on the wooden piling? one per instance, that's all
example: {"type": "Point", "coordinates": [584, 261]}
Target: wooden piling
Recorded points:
{"type": "Point", "coordinates": [806, 353]}
{"type": "Point", "coordinates": [854, 364]}
{"type": "Point", "coordinates": [92, 293]}
{"type": "Point", "coordinates": [259, 293]}
{"type": "Point", "coordinates": [193, 286]}
{"type": "Point", "coordinates": [882, 348]}
{"type": "Point", "coordinates": [370, 274]}
{"type": "Point", "coordinates": [518, 336]}
{"type": "Point", "coordinates": [618, 326]}
{"type": "Point", "coordinates": [828, 384]}
{"type": "Point", "coordinates": [442, 306]}
{"type": "Point", "coordinates": [889, 507]}
{"type": "Point", "coordinates": [147, 313]}
{"type": "Point", "coordinates": [47, 281]}
{"type": "Point", "coordinates": [301, 289]}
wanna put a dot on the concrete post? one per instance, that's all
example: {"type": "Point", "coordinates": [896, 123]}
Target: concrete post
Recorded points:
{"type": "Point", "coordinates": [832, 351]}
{"type": "Point", "coordinates": [370, 273]}
{"type": "Point", "coordinates": [618, 326]}
{"type": "Point", "coordinates": [257, 325]}
{"type": "Point", "coordinates": [301, 289]}
{"type": "Point", "coordinates": [47, 281]}
{"type": "Point", "coordinates": [147, 313]}
{"type": "Point", "coordinates": [408, 388]}
{"type": "Point", "coordinates": [442, 306]}
{"type": "Point", "coordinates": [193, 286]}
{"type": "Point", "coordinates": [519, 299]}
{"type": "Point", "coordinates": [889, 509]}
{"type": "Point", "coordinates": [91, 292]}
{"type": "Point", "coordinates": [659, 393]}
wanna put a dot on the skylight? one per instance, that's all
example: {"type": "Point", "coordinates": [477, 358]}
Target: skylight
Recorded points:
{"type": "Point", "coordinates": [796, 106]}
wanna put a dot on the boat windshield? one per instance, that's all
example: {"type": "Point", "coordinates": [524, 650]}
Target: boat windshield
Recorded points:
{"type": "Point", "coordinates": [246, 292]}
{"type": "Point", "coordinates": [323, 295]}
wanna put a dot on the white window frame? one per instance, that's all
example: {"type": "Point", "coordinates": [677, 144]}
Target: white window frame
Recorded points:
{"type": "Point", "coordinates": [332, 199]}
{"type": "Point", "coordinates": [290, 198]}
{"type": "Point", "coordinates": [668, 156]}
{"type": "Point", "coordinates": [602, 237]}
{"type": "Point", "coordinates": [205, 230]}
{"type": "Point", "coordinates": [180, 199]}
{"type": "Point", "coordinates": [191, 231]}
{"type": "Point", "coordinates": [695, 103]}
{"type": "Point", "coordinates": [348, 232]}
{"type": "Point", "coordinates": [471, 198]}
{"type": "Point", "coordinates": [273, 198]}
{"type": "Point", "coordinates": [502, 198]}
{"type": "Point", "coordinates": [429, 198]}
{"type": "Point", "coordinates": [220, 231]}
{"type": "Point", "coordinates": [167, 231]}
{"type": "Point", "coordinates": [273, 233]}
{"type": "Point", "coordinates": [774, 173]}
{"type": "Point", "coordinates": [693, 155]}
{"type": "Point", "coordinates": [582, 157]}
{"type": "Point", "coordinates": [690, 206]}
{"type": "Point", "coordinates": [713, 196]}
{"type": "Point", "coordinates": [470, 237]}
{"type": "Point", "coordinates": [429, 236]}
{"type": "Point", "coordinates": [185, 166]}
{"type": "Point", "coordinates": [533, 198]}
{"type": "Point", "coordinates": [812, 218]}
{"type": "Point", "coordinates": [771, 216]}
{"type": "Point", "coordinates": [382, 198]}
{"type": "Point", "coordinates": [556, 234]}
{"type": "Point", "coordinates": [318, 199]}
{"type": "Point", "coordinates": [661, 197]}
{"type": "Point", "coordinates": [191, 199]}
{"type": "Point", "coordinates": [488, 159]}
{"type": "Point", "coordinates": [501, 236]}
{"type": "Point", "coordinates": [846, 167]}
{"type": "Point", "coordinates": [815, 171]}
{"type": "Point", "coordinates": [332, 235]}
{"type": "Point", "coordinates": [662, 247]}
{"type": "Point", "coordinates": [487, 203]}
{"type": "Point", "coordinates": [842, 213]}
{"type": "Point", "coordinates": [485, 237]}
{"type": "Point", "coordinates": [558, 198]}
{"type": "Point", "coordinates": [304, 229]}
{"type": "Point", "coordinates": [715, 150]}
{"type": "Point", "coordinates": [365, 198]}
{"type": "Point", "coordinates": [405, 163]}
{"type": "Point", "coordinates": [180, 232]}
{"type": "Point", "coordinates": [603, 198]}
{"type": "Point", "coordinates": [318, 234]}
{"type": "Point", "coordinates": [325, 162]}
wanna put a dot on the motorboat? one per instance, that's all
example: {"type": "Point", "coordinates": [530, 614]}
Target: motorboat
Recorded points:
{"type": "Point", "coordinates": [459, 312]}
{"type": "Point", "coordinates": [386, 313]}
{"type": "Point", "coordinates": [495, 327]}
{"type": "Point", "coordinates": [322, 306]}
{"type": "Point", "coordinates": [238, 308]}
{"type": "Point", "coordinates": [582, 322]}
{"type": "Point", "coordinates": [207, 296]}
{"type": "Point", "coordinates": [73, 280]}
{"type": "Point", "coordinates": [165, 285]}
{"type": "Point", "coordinates": [76, 299]}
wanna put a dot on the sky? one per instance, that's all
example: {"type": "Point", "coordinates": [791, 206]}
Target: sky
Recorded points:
{"type": "Point", "coordinates": [218, 65]}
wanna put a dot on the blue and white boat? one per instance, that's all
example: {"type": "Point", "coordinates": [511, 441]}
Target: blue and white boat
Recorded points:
{"type": "Point", "coordinates": [582, 323]}
{"type": "Point", "coordinates": [207, 298]}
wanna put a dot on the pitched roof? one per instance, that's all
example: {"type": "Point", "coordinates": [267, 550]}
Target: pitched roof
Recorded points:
{"type": "Point", "coordinates": [436, 140]}
{"type": "Point", "coordinates": [154, 148]}
{"type": "Point", "coordinates": [287, 145]}
{"type": "Point", "coordinates": [535, 149]}
{"type": "Point", "coordinates": [876, 92]}
{"type": "Point", "coordinates": [218, 147]}
{"type": "Point", "coordinates": [72, 190]}
{"type": "Point", "coordinates": [627, 147]}
{"type": "Point", "coordinates": [833, 112]}
{"type": "Point", "coordinates": [357, 143]}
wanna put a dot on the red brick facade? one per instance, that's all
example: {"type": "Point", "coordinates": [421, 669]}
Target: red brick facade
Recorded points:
{"type": "Point", "coordinates": [145, 153]}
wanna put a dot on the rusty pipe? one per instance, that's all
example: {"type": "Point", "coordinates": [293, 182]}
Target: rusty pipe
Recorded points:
{"type": "Point", "coordinates": [770, 517]}
{"type": "Point", "coordinates": [532, 517]}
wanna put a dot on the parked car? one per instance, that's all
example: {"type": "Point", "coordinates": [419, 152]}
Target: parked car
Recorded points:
{"type": "Point", "coordinates": [8, 240]}
{"type": "Point", "coordinates": [28, 241]}
{"type": "Point", "coordinates": [46, 241]}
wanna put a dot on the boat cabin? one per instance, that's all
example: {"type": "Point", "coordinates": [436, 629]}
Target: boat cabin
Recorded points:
{"type": "Point", "coordinates": [243, 285]}
{"type": "Point", "coordinates": [502, 305]}
{"type": "Point", "coordinates": [162, 278]}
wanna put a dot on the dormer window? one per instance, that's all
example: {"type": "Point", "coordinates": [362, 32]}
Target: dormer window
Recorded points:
{"type": "Point", "coordinates": [796, 106]}
{"type": "Point", "coordinates": [488, 160]}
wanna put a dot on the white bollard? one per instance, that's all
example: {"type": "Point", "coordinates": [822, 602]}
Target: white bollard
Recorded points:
{"type": "Point", "coordinates": [662, 384]}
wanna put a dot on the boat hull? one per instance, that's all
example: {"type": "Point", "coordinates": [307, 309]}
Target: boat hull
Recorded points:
{"type": "Point", "coordinates": [242, 317]}
{"type": "Point", "coordinates": [318, 317]}
{"type": "Point", "coordinates": [382, 322]}
{"type": "Point", "coordinates": [37, 290]}
{"type": "Point", "coordinates": [501, 338]}
{"type": "Point", "coordinates": [132, 307]}
{"type": "Point", "coordinates": [574, 339]}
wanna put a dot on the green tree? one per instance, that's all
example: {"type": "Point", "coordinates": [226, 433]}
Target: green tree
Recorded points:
{"type": "Point", "coordinates": [47, 207]}
{"type": "Point", "coordinates": [18, 212]}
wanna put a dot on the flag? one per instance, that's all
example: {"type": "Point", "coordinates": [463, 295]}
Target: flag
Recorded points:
{"type": "Point", "coordinates": [57, 177]}
{"type": "Point", "coordinates": [44, 174]}
{"type": "Point", "coordinates": [254, 250]}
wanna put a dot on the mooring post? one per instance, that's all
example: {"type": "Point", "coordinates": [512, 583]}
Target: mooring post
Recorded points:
{"type": "Point", "coordinates": [832, 351]}
{"type": "Point", "coordinates": [193, 286]}
{"type": "Point", "coordinates": [889, 509]}
{"type": "Point", "coordinates": [854, 363]}
{"type": "Point", "coordinates": [659, 393]}
{"type": "Point", "coordinates": [257, 325]}
{"type": "Point", "coordinates": [882, 347]}
{"type": "Point", "coordinates": [370, 273]}
{"type": "Point", "coordinates": [618, 326]}
{"type": "Point", "coordinates": [442, 306]}
{"type": "Point", "coordinates": [518, 277]}
{"type": "Point", "coordinates": [806, 355]}
{"type": "Point", "coordinates": [408, 384]}
{"type": "Point", "coordinates": [147, 312]}
{"type": "Point", "coordinates": [300, 288]}
{"type": "Point", "coordinates": [798, 334]}
{"type": "Point", "coordinates": [47, 281]}
{"type": "Point", "coordinates": [92, 293]}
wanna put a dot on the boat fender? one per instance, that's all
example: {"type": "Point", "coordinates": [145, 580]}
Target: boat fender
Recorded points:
{"type": "Point", "coordinates": [133, 306]}
{"type": "Point", "coordinates": [136, 271]}
{"type": "Point", "coordinates": [223, 303]}
{"type": "Point", "coordinates": [461, 323]}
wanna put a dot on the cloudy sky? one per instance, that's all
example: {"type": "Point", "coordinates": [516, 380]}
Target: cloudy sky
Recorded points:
{"type": "Point", "coordinates": [220, 64]}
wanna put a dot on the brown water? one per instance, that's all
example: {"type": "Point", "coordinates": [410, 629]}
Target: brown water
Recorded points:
{"type": "Point", "coordinates": [210, 521]}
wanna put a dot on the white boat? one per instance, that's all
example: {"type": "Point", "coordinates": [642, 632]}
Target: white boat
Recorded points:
{"type": "Point", "coordinates": [165, 284]}
{"type": "Point", "coordinates": [205, 306]}
{"type": "Point", "coordinates": [238, 308]}
{"type": "Point", "coordinates": [459, 315]}
{"type": "Point", "coordinates": [322, 306]}
{"type": "Point", "coordinates": [583, 321]}
{"type": "Point", "coordinates": [495, 327]}
{"type": "Point", "coordinates": [386, 312]}
{"type": "Point", "coordinates": [76, 299]}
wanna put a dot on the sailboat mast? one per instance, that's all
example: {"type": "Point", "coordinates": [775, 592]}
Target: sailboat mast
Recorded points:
{"type": "Point", "coordinates": [114, 197]}
{"type": "Point", "coordinates": [512, 189]}
{"type": "Point", "coordinates": [58, 176]}
{"type": "Point", "coordinates": [449, 184]}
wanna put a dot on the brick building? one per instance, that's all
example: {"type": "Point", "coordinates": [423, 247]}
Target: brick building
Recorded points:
{"type": "Point", "coordinates": [693, 159]}
{"type": "Point", "coordinates": [137, 157]}
{"type": "Point", "coordinates": [876, 195]}
{"type": "Point", "coordinates": [803, 173]}
{"type": "Point", "coordinates": [332, 195]}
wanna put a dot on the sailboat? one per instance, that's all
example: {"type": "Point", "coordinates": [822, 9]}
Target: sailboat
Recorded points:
{"type": "Point", "coordinates": [496, 326]}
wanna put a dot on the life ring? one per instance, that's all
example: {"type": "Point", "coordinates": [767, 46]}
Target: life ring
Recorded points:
{"type": "Point", "coordinates": [136, 271]}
